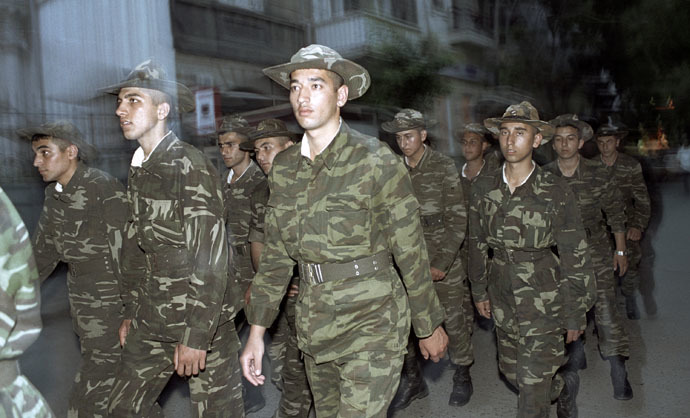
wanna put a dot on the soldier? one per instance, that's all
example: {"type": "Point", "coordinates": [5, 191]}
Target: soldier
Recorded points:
{"type": "Point", "coordinates": [595, 192]}
{"type": "Point", "coordinates": [627, 173]}
{"type": "Point", "coordinates": [176, 226]}
{"type": "Point", "coordinates": [271, 137]}
{"type": "Point", "coordinates": [443, 215]}
{"type": "Point", "coordinates": [341, 204]}
{"type": "Point", "coordinates": [20, 308]}
{"type": "Point", "coordinates": [81, 224]}
{"type": "Point", "coordinates": [520, 212]}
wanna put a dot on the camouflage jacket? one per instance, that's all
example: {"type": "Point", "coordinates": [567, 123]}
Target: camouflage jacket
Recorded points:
{"type": "Point", "coordinates": [258, 201]}
{"type": "Point", "coordinates": [237, 203]}
{"type": "Point", "coordinates": [627, 172]}
{"type": "Point", "coordinates": [176, 227]}
{"type": "Point", "coordinates": [490, 166]}
{"type": "Point", "coordinates": [530, 289]}
{"type": "Point", "coordinates": [595, 192]}
{"type": "Point", "coordinates": [20, 310]}
{"type": "Point", "coordinates": [437, 187]}
{"type": "Point", "coordinates": [82, 226]}
{"type": "Point", "coordinates": [354, 200]}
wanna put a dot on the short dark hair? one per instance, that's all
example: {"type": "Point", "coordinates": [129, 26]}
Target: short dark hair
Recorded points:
{"type": "Point", "coordinates": [571, 125]}
{"type": "Point", "coordinates": [158, 97]}
{"type": "Point", "coordinates": [62, 144]}
{"type": "Point", "coordinates": [335, 78]}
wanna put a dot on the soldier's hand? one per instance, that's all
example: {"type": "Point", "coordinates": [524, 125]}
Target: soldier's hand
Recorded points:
{"type": "Point", "coordinates": [437, 275]}
{"type": "Point", "coordinates": [189, 361]}
{"type": "Point", "coordinates": [484, 308]}
{"type": "Point", "coordinates": [634, 234]}
{"type": "Point", "coordinates": [251, 357]}
{"type": "Point", "coordinates": [248, 295]}
{"type": "Point", "coordinates": [123, 331]}
{"type": "Point", "coordinates": [573, 335]}
{"type": "Point", "coordinates": [434, 346]}
{"type": "Point", "coordinates": [293, 290]}
{"type": "Point", "coordinates": [620, 263]}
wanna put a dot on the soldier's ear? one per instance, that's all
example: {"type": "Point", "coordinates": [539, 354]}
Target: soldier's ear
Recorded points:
{"type": "Point", "coordinates": [537, 140]}
{"type": "Point", "coordinates": [72, 152]}
{"type": "Point", "coordinates": [581, 143]}
{"type": "Point", "coordinates": [422, 133]}
{"type": "Point", "coordinates": [163, 110]}
{"type": "Point", "coordinates": [342, 93]}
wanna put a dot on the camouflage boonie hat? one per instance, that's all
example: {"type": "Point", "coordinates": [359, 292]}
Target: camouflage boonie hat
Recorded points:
{"type": "Point", "coordinates": [525, 113]}
{"type": "Point", "coordinates": [478, 129]}
{"type": "Point", "coordinates": [268, 128]}
{"type": "Point", "coordinates": [151, 75]}
{"type": "Point", "coordinates": [62, 129]}
{"type": "Point", "coordinates": [569, 119]}
{"type": "Point", "coordinates": [315, 56]}
{"type": "Point", "coordinates": [611, 128]}
{"type": "Point", "coordinates": [404, 120]}
{"type": "Point", "coordinates": [234, 123]}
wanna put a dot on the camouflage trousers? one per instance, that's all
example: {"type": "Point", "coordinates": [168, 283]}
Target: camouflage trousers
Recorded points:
{"type": "Point", "coordinates": [530, 363]}
{"type": "Point", "coordinates": [18, 397]}
{"type": "Point", "coordinates": [613, 339]}
{"type": "Point", "coordinates": [147, 364]}
{"type": "Point", "coordinates": [468, 307]}
{"type": "Point", "coordinates": [96, 318]}
{"type": "Point", "coordinates": [358, 385]}
{"type": "Point", "coordinates": [296, 398]}
{"type": "Point", "coordinates": [630, 283]}
{"type": "Point", "coordinates": [280, 333]}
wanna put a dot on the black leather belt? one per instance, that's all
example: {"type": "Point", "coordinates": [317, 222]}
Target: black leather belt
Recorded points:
{"type": "Point", "coordinates": [319, 273]}
{"type": "Point", "coordinates": [431, 220]}
{"type": "Point", "coordinates": [519, 256]}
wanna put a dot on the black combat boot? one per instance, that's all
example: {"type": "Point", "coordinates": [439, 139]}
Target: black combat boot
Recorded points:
{"type": "Point", "coordinates": [566, 405]}
{"type": "Point", "coordinates": [577, 360]}
{"type": "Point", "coordinates": [462, 387]}
{"type": "Point", "coordinates": [412, 386]}
{"type": "Point", "coordinates": [631, 308]}
{"type": "Point", "coordinates": [619, 378]}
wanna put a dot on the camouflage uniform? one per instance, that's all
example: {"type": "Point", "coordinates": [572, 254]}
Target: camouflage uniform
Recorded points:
{"type": "Point", "coordinates": [627, 173]}
{"type": "Point", "coordinates": [81, 225]}
{"type": "Point", "coordinates": [354, 201]}
{"type": "Point", "coordinates": [534, 295]}
{"type": "Point", "coordinates": [443, 215]}
{"type": "Point", "coordinates": [176, 227]}
{"type": "Point", "coordinates": [20, 310]}
{"type": "Point", "coordinates": [237, 215]}
{"type": "Point", "coordinates": [296, 399]}
{"type": "Point", "coordinates": [595, 192]}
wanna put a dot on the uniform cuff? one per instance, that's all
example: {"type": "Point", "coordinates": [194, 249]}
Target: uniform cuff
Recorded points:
{"type": "Point", "coordinates": [259, 315]}
{"type": "Point", "coordinates": [196, 338]}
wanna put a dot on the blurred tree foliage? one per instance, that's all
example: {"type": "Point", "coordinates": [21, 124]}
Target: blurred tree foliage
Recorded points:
{"type": "Point", "coordinates": [405, 73]}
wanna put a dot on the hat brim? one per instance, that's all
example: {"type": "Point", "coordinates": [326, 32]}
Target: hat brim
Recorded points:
{"type": "Point", "coordinates": [546, 130]}
{"type": "Point", "coordinates": [586, 131]}
{"type": "Point", "coordinates": [392, 127]}
{"type": "Point", "coordinates": [86, 150]}
{"type": "Point", "coordinates": [249, 145]}
{"type": "Point", "coordinates": [355, 77]}
{"type": "Point", "coordinates": [619, 133]}
{"type": "Point", "coordinates": [185, 97]}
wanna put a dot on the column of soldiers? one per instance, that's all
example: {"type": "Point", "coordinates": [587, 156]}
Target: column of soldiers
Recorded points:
{"type": "Point", "coordinates": [358, 261]}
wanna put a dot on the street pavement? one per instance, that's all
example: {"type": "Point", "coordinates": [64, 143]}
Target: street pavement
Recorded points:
{"type": "Point", "coordinates": [658, 369]}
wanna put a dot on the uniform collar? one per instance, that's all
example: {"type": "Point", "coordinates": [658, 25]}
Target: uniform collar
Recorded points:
{"type": "Point", "coordinates": [64, 191]}
{"type": "Point", "coordinates": [138, 159]}
{"type": "Point", "coordinates": [421, 160]}
{"type": "Point", "coordinates": [333, 150]}
{"type": "Point", "coordinates": [231, 172]}
{"type": "Point", "coordinates": [529, 176]}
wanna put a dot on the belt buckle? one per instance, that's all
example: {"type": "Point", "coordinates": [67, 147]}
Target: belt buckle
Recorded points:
{"type": "Point", "coordinates": [510, 255]}
{"type": "Point", "coordinates": [313, 272]}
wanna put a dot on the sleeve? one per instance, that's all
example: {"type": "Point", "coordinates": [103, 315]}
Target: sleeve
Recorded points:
{"type": "Point", "coordinates": [576, 266]}
{"type": "Point", "coordinates": [204, 226]}
{"type": "Point", "coordinates": [612, 202]}
{"type": "Point", "coordinates": [396, 211]}
{"type": "Point", "coordinates": [46, 256]}
{"type": "Point", "coordinates": [642, 205]}
{"type": "Point", "coordinates": [256, 222]}
{"type": "Point", "coordinates": [478, 248]}
{"type": "Point", "coordinates": [454, 220]}
{"type": "Point", "coordinates": [275, 269]}
{"type": "Point", "coordinates": [20, 310]}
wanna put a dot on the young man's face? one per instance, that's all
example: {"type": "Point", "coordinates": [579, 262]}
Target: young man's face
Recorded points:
{"type": "Point", "coordinates": [411, 142]}
{"type": "Point", "coordinates": [52, 163]}
{"type": "Point", "coordinates": [314, 98]}
{"type": "Point", "coordinates": [607, 145]}
{"type": "Point", "coordinates": [567, 142]}
{"type": "Point", "coordinates": [517, 140]}
{"type": "Point", "coordinates": [229, 146]}
{"type": "Point", "coordinates": [473, 146]}
{"type": "Point", "coordinates": [266, 150]}
{"type": "Point", "coordinates": [137, 112]}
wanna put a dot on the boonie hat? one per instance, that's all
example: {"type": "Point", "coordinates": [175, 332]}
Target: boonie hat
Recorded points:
{"type": "Point", "coordinates": [611, 128]}
{"type": "Point", "coordinates": [404, 120]}
{"type": "Point", "coordinates": [62, 129]}
{"type": "Point", "coordinates": [316, 56]}
{"type": "Point", "coordinates": [234, 123]}
{"type": "Point", "coordinates": [570, 119]}
{"type": "Point", "coordinates": [522, 112]}
{"type": "Point", "coordinates": [151, 75]}
{"type": "Point", "coordinates": [476, 128]}
{"type": "Point", "coordinates": [268, 128]}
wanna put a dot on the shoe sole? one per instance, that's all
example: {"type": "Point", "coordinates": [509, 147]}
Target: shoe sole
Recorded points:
{"type": "Point", "coordinates": [421, 395]}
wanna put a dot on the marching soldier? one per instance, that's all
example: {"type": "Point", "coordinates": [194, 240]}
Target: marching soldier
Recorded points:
{"type": "Point", "coordinates": [174, 319]}
{"type": "Point", "coordinates": [443, 215]}
{"type": "Point", "coordinates": [596, 194]}
{"type": "Point", "coordinates": [341, 205]}
{"type": "Point", "coordinates": [269, 138]}
{"type": "Point", "coordinates": [20, 302]}
{"type": "Point", "coordinates": [535, 297]}
{"type": "Point", "coordinates": [627, 173]}
{"type": "Point", "coordinates": [81, 224]}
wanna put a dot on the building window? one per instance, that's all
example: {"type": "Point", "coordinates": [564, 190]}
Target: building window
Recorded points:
{"type": "Point", "coordinates": [405, 10]}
